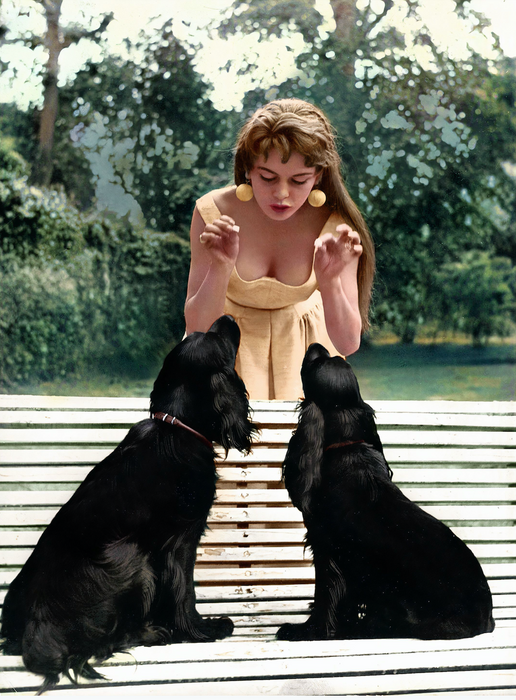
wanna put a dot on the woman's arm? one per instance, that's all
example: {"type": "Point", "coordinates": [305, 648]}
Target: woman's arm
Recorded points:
{"type": "Point", "coordinates": [336, 265]}
{"type": "Point", "coordinates": [214, 250]}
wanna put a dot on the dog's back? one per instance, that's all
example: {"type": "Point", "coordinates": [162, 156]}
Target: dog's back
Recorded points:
{"type": "Point", "coordinates": [408, 572]}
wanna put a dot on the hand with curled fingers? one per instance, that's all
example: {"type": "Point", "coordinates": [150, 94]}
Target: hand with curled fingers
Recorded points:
{"type": "Point", "coordinates": [334, 254]}
{"type": "Point", "coordinates": [220, 240]}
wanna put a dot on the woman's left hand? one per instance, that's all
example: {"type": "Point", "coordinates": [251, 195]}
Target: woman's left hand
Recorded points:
{"type": "Point", "coordinates": [333, 255]}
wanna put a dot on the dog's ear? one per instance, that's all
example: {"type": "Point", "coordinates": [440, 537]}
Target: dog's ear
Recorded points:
{"type": "Point", "coordinates": [302, 467]}
{"type": "Point", "coordinates": [227, 328]}
{"type": "Point", "coordinates": [232, 408]}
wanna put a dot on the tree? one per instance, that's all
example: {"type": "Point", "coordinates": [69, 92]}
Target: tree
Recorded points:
{"type": "Point", "coordinates": [146, 132]}
{"type": "Point", "coordinates": [478, 296]}
{"type": "Point", "coordinates": [424, 139]}
{"type": "Point", "coordinates": [55, 40]}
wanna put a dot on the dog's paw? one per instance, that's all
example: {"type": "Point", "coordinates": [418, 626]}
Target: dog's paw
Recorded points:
{"type": "Point", "coordinates": [207, 629]}
{"type": "Point", "coordinates": [217, 627]}
{"type": "Point", "coordinates": [154, 635]}
{"type": "Point", "coordinates": [302, 632]}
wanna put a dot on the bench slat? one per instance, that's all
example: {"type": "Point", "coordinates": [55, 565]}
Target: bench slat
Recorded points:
{"type": "Point", "coordinates": [320, 676]}
{"type": "Point", "coordinates": [76, 474]}
{"type": "Point", "coordinates": [286, 514]}
{"type": "Point", "coordinates": [227, 555]}
{"type": "Point", "coordinates": [25, 419]}
{"type": "Point", "coordinates": [294, 597]}
{"type": "Point", "coordinates": [275, 456]}
{"type": "Point", "coordinates": [112, 436]}
{"type": "Point", "coordinates": [285, 574]}
{"type": "Point", "coordinates": [244, 496]}
{"type": "Point", "coordinates": [273, 406]}
{"type": "Point", "coordinates": [264, 536]}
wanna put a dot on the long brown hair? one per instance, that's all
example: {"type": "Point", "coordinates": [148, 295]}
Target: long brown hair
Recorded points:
{"type": "Point", "coordinates": [293, 125]}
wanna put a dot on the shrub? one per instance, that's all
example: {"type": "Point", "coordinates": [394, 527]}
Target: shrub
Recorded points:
{"type": "Point", "coordinates": [476, 296]}
{"type": "Point", "coordinates": [43, 336]}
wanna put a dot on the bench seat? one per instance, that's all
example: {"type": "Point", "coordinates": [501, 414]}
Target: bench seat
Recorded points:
{"type": "Point", "coordinates": [456, 459]}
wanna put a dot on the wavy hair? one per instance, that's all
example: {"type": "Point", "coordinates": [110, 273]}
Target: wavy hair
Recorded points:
{"type": "Point", "coordinates": [293, 125]}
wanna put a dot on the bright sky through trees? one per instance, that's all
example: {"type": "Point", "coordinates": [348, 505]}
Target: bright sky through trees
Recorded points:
{"type": "Point", "coordinates": [276, 57]}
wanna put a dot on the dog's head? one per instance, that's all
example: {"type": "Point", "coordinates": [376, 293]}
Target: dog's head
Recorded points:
{"type": "Point", "coordinates": [332, 412]}
{"type": "Point", "coordinates": [199, 385]}
{"type": "Point", "coordinates": [329, 381]}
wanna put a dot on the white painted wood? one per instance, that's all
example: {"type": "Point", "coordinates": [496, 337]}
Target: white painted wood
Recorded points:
{"type": "Point", "coordinates": [301, 676]}
{"type": "Point", "coordinates": [112, 436]}
{"type": "Point", "coordinates": [227, 555]}
{"type": "Point", "coordinates": [456, 458]}
{"type": "Point", "coordinates": [25, 418]}
{"type": "Point", "coordinates": [274, 536]}
{"type": "Point", "coordinates": [9, 401]}
{"type": "Point", "coordinates": [286, 514]}
{"type": "Point", "coordinates": [246, 495]}
{"type": "Point", "coordinates": [98, 402]}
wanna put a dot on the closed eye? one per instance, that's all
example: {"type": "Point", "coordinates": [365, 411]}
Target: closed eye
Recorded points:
{"type": "Point", "coordinates": [272, 179]}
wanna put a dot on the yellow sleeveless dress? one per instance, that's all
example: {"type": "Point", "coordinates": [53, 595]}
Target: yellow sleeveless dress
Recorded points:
{"type": "Point", "coordinates": [277, 324]}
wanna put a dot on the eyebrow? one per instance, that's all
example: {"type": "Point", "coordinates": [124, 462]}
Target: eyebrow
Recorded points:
{"type": "Point", "coordinates": [261, 167]}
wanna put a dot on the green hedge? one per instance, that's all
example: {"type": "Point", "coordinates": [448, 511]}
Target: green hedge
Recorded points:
{"type": "Point", "coordinates": [80, 293]}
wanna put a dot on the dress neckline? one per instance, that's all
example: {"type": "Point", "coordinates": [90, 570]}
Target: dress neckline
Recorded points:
{"type": "Point", "coordinates": [273, 280]}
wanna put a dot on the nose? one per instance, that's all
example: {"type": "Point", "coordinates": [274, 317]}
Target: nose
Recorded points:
{"type": "Point", "coordinates": [282, 190]}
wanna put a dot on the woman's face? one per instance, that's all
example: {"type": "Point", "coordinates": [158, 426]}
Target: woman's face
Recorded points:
{"type": "Point", "coordinates": [281, 189]}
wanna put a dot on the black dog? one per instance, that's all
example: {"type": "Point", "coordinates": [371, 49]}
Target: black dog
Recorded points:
{"type": "Point", "coordinates": [114, 569]}
{"type": "Point", "coordinates": [383, 566]}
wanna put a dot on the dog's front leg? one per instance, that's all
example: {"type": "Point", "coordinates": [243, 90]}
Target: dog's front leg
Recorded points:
{"type": "Point", "coordinates": [176, 610]}
{"type": "Point", "coordinates": [330, 589]}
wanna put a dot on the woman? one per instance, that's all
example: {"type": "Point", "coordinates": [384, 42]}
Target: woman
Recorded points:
{"type": "Point", "coordinates": [286, 252]}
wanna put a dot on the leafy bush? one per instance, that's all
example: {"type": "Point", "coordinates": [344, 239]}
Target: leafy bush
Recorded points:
{"type": "Point", "coordinates": [140, 288]}
{"type": "Point", "coordinates": [476, 295]}
{"type": "Point", "coordinates": [37, 224]}
{"type": "Point", "coordinates": [82, 292]}
{"type": "Point", "coordinates": [42, 331]}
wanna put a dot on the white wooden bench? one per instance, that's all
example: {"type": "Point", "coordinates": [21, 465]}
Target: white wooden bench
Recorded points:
{"type": "Point", "coordinates": [456, 459]}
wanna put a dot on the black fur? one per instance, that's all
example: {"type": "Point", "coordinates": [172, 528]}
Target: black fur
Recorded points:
{"type": "Point", "coordinates": [114, 569]}
{"type": "Point", "coordinates": [383, 566]}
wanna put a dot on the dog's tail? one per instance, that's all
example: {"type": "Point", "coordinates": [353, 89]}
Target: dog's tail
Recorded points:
{"type": "Point", "coordinates": [45, 653]}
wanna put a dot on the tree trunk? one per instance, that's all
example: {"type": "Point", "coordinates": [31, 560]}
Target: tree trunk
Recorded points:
{"type": "Point", "coordinates": [43, 166]}
{"type": "Point", "coordinates": [345, 15]}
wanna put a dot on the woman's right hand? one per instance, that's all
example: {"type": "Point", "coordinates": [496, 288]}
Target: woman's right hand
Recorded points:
{"type": "Point", "coordinates": [221, 241]}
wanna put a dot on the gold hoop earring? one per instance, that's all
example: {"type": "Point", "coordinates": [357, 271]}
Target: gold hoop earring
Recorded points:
{"type": "Point", "coordinates": [244, 193]}
{"type": "Point", "coordinates": [316, 198]}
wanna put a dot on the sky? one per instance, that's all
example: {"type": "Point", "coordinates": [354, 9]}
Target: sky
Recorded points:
{"type": "Point", "coordinates": [276, 59]}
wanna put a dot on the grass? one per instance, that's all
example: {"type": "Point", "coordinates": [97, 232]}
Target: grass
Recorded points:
{"type": "Point", "coordinates": [452, 371]}
{"type": "Point", "coordinates": [385, 369]}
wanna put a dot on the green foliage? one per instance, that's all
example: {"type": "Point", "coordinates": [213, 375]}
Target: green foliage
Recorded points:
{"type": "Point", "coordinates": [426, 147]}
{"type": "Point", "coordinates": [477, 296]}
{"type": "Point", "coordinates": [144, 133]}
{"type": "Point", "coordinates": [36, 224]}
{"type": "Point", "coordinates": [139, 281]}
{"type": "Point", "coordinates": [11, 162]}
{"type": "Point", "coordinates": [83, 292]}
{"type": "Point", "coordinates": [42, 332]}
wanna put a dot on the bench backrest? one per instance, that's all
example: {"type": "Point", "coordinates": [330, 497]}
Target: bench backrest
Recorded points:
{"type": "Point", "coordinates": [456, 459]}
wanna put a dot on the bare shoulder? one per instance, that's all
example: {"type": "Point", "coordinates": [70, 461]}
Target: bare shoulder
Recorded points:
{"type": "Point", "coordinates": [224, 198]}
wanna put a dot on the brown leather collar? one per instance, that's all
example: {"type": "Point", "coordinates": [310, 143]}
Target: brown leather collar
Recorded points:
{"type": "Point", "coordinates": [348, 443]}
{"type": "Point", "coordinates": [166, 418]}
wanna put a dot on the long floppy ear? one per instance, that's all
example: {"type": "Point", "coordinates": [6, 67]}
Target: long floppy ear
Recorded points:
{"type": "Point", "coordinates": [232, 407]}
{"type": "Point", "coordinates": [302, 466]}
